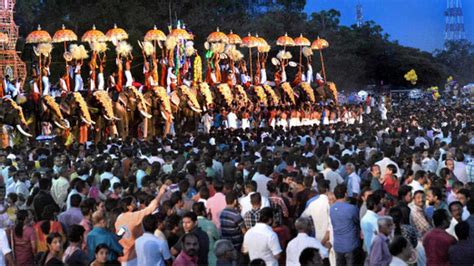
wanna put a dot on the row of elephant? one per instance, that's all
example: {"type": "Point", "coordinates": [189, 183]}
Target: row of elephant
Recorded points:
{"type": "Point", "coordinates": [98, 115]}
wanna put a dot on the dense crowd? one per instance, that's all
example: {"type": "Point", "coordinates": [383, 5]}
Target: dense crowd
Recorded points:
{"type": "Point", "coordinates": [394, 186]}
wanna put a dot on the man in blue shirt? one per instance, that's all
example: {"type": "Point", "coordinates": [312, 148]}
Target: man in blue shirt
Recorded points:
{"type": "Point", "coordinates": [100, 235]}
{"type": "Point", "coordinates": [345, 224]}
{"type": "Point", "coordinates": [150, 249]}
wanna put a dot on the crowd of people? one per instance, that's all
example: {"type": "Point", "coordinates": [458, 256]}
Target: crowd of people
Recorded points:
{"type": "Point", "coordinates": [393, 187]}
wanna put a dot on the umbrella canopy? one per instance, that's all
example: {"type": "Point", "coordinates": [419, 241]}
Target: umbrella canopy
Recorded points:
{"type": "Point", "coordinates": [94, 35]}
{"type": "Point", "coordinates": [38, 36]}
{"type": "Point", "coordinates": [285, 41]}
{"type": "Point", "coordinates": [319, 44]}
{"type": "Point", "coordinates": [234, 38]}
{"type": "Point", "coordinates": [261, 41]}
{"type": "Point", "coordinates": [155, 35]}
{"type": "Point", "coordinates": [117, 34]}
{"type": "Point", "coordinates": [250, 41]}
{"type": "Point", "coordinates": [64, 35]}
{"type": "Point", "coordinates": [218, 36]}
{"type": "Point", "coordinates": [302, 41]}
{"type": "Point", "coordinates": [180, 34]}
{"type": "Point", "coordinates": [3, 37]}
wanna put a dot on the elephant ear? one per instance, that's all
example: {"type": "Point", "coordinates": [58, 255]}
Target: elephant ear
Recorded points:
{"type": "Point", "coordinates": [175, 98]}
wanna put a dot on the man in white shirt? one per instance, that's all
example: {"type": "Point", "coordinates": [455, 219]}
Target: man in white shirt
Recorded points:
{"type": "Point", "coordinates": [353, 181]}
{"type": "Point", "coordinates": [418, 181]}
{"type": "Point", "coordinates": [302, 241]}
{"type": "Point", "coordinates": [332, 176]}
{"type": "Point", "coordinates": [244, 202]}
{"type": "Point", "coordinates": [261, 179]}
{"type": "Point", "coordinates": [387, 153]}
{"type": "Point", "coordinates": [21, 187]}
{"type": "Point", "coordinates": [6, 257]}
{"type": "Point", "coordinates": [260, 242]}
{"type": "Point", "coordinates": [318, 210]}
{"type": "Point", "coordinates": [232, 120]}
{"type": "Point", "coordinates": [368, 223]}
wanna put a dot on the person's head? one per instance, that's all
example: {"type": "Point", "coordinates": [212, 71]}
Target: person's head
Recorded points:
{"type": "Point", "coordinates": [129, 204]}
{"type": "Point", "coordinates": [462, 230]}
{"type": "Point", "coordinates": [456, 209]}
{"type": "Point", "coordinates": [266, 215]}
{"type": "Point", "coordinates": [340, 191]}
{"type": "Point", "coordinates": [434, 195]}
{"type": "Point", "coordinates": [190, 244]}
{"type": "Point", "coordinates": [404, 194]}
{"type": "Point", "coordinates": [420, 176]}
{"type": "Point", "coordinates": [98, 219]}
{"type": "Point", "coordinates": [419, 198]}
{"type": "Point", "coordinates": [101, 253]}
{"type": "Point", "coordinates": [23, 217]}
{"type": "Point", "coordinates": [231, 199]}
{"type": "Point", "coordinates": [149, 223]}
{"type": "Point", "coordinates": [189, 221]}
{"type": "Point", "coordinates": [256, 200]}
{"type": "Point", "coordinates": [385, 224]}
{"type": "Point", "coordinates": [75, 234]}
{"type": "Point", "coordinates": [323, 186]}
{"type": "Point", "coordinates": [303, 225]}
{"type": "Point", "coordinates": [391, 169]}
{"type": "Point", "coordinates": [54, 241]}
{"type": "Point", "coordinates": [470, 206]}
{"type": "Point", "coordinates": [450, 164]}
{"type": "Point", "coordinates": [76, 200]}
{"type": "Point", "coordinates": [250, 186]}
{"type": "Point", "coordinates": [400, 247]}
{"type": "Point", "coordinates": [365, 193]}
{"type": "Point", "coordinates": [310, 256]}
{"type": "Point", "coordinates": [45, 183]}
{"type": "Point", "coordinates": [350, 168]}
{"type": "Point", "coordinates": [225, 251]}
{"type": "Point", "coordinates": [441, 219]}
{"type": "Point", "coordinates": [375, 170]}
{"type": "Point", "coordinates": [463, 195]}
{"type": "Point", "coordinates": [374, 203]}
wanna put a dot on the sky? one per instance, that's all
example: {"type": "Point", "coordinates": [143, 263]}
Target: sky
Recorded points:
{"type": "Point", "coordinates": [415, 23]}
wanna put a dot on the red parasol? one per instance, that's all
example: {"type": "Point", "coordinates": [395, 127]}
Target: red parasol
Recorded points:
{"type": "Point", "coordinates": [94, 35]}
{"type": "Point", "coordinates": [320, 44]}
{"type": "Point", "coordinates": [180, 34]}
{"type": "Point", "coordinates": [234, 38]}
{"type": "Point", "coordinates": [217, 36]}
{"type": "Point", "coordinates": [285, 40]}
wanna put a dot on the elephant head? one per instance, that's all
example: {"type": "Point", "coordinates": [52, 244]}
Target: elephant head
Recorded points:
{"type": "Point", "coordinates": [137, 102]}
{"type": "Point", "coordinates": [104, 102]}
{"type": "Point", "coordinates": [206, 94]}
{"type": "Point", "coordinates": [12, 114]}
{"type": "Point", "coordinates": [49, 106]}
{"type": "Point", "coordinates": [189, 98]}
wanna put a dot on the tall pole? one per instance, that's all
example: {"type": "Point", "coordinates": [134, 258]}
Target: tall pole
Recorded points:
{"type": "Point", "coordinates": [322, 64]}
{"type": "Point", "coordinates": [251, 71]}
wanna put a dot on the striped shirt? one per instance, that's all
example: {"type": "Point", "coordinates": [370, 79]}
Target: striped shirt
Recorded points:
{"type": "Point", "coordinates": [231, 226]}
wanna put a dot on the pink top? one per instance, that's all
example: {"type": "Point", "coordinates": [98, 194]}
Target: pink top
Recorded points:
{"type": "Point", "coordinates": [23, 249]}
{"type": "Point", "coordinates": [215, 205]}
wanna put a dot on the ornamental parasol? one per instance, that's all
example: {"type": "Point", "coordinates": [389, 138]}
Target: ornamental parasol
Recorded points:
{"type": "Point", "coordinates": [64, 35]}
{"type": "Point", "coordinates": [94, 35]}
{"type": "Point", "coordinates": [116, 34]}
{"type": "Point", "coordinates": [180, 34]}
{"type": "Point", "coordinates": [218, 36]}
{"type": "Point", "coordinates": [250, 42]}
{"type": "Point", "coordinates": [320, 44]}
{"type": "Point", "coordinates": [38, 36]}
{"type": "Point", "coordinates": [234, 38]}
{"type": "Point", "coordinates": [301, 41]}
{"type": "Point", "coordinates": [155, 35]}
{"type": "Point", "coordinates": [3, 38]}
{"type": "Point", "coordinates": [285, 41]}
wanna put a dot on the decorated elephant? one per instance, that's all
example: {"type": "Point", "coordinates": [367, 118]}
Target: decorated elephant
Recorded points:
{"type": "Point", "coordinates": [185, 107]}
{"type": "Point", "coordinates": [12, 120]}
{"type": "Point", "coordinates": [76, 111]}
{"type": "Point", "coordinates": [160, 108]}
{"type": "Point", "coordinates": [101, 106]}
{"type": "Point", "coordinates": [132, 111]}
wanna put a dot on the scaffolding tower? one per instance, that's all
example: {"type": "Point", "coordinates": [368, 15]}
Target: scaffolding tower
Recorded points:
{"type": "Point", "coordinates": [10, 61]}
{"type": "Point", "coordinates": [454, 29]}
{"type": "Point", "coordinates": [359, 16]}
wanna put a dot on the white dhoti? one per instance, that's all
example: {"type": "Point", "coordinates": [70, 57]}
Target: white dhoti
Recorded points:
{"type": "Point", "coordinates": [245, 123]}
{"type": "Point", "coordinates": [101, 81]}
{"type": "Point", "coordinates": [78, 83]}
{"type": "Point", "coordinates": [129, 78]}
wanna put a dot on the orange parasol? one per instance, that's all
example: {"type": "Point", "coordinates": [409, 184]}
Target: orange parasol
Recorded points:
{"type": "Point", "coordinates": [155, 35]}
{"type": "Point", "coordinates": [117, 34]}
{"type": "Point", "coordinates": [261, 41]}
{"type": "Point", "coordinates": [180, 34]}
{"type": "Point", "coordinates": [234, 38]}
{"type": "Point", "coordinates": [301, 41]}
{"type": "Point", "coordinates": [250, 42]}
{"type": "Point", "coordinates": [3, 37]}
{"type": "Point", "coordinates": [320, 44]}
{"type": "Point", "coordinates": [285, 41]}
{"type": "Point", "coordinates": [64, 35]}
{"type": "Point", "coordinates": [218, 36]}
{"type": "Point", "coordinates": [94, 35]}
{"type": "Point", "coordinates": [38, 36]}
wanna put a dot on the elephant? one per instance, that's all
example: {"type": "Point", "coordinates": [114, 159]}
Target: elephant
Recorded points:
{"type": "Point", "coordinates": [101, 106]}
{"type": "Point", "coordinates": [161, 112]}
{"type": "Point", "coordinates": [76, 111]}
{"type": "Point", "coordinates": [11, 118]}
{"type": "Point", "coordinates": [185, 107]}
{"type": "Point", "coordinates": [132, 109]}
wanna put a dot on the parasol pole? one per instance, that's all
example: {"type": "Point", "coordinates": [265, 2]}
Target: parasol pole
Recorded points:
{"type": "Point", "coordinates": [66, 68]}
{"type": "Point", "coordinates": [301, 54]}
{"type": "Point", "coordinates": [322, 64]}
{"type": "Point", "coordinates": [40, 76]}
{"type": "Point", "coordinates": [251, 72]}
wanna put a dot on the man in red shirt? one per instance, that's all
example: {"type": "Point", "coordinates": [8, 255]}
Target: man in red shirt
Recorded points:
{"type": "Point", "coordinates": [189, 255]}
{"type": "Point", "coordinates": [437, 241]}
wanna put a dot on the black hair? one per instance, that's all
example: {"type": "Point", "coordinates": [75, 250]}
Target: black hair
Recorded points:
{"type": "Point", "coordinates": [372, 201]}
{"type": "Point", "coordinates": [266, 214]}
{"type": "Point", "coordinates": [398, 244]}
{"type": "Point", "coordinates": [149, 223]}
{"type": "Point", "coordinates": [403, 191]}
{"type": "Point", "coordinates": [101, 246]}
{"type": "Point", "coordinates": [462, 230]}
{"type": "Point", "coordinates": [75, 233]}
{"type": "Point", "coordinates": [199, 209]}
{"type": "Point", "coordinates": [21, 216]}
{"type": "Point", "coordinates": [230, 197]}
{"type": "Point", "coordinates": [190, 215]}
{"type": "Point", "coordinates": [439, 217]}
{"type": "Point", "coordinates": [340, 191]}
{"type": "Point", "coordinates": [307, 255]}
{"type": "Point", "coordinates": [75, 200]}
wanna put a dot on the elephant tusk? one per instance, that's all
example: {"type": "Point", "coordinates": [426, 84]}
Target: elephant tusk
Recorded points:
{"type": "Point", "coordinates": [85, 121]}
{"type": "Point", "coordinates": [107, 118]}
{"type": "Point", "coordinates": [145, 114]}
{"type": "Point", "coordinates": [67, 124]}
{"type": "Point", "coordinates": [195, 109]}
{"type": "Point", "coordinates": [116, 118]}
{"type": "Point", "coordinates": [23, 132]}
{"type": "Point", "coordinates": [58, 125]}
